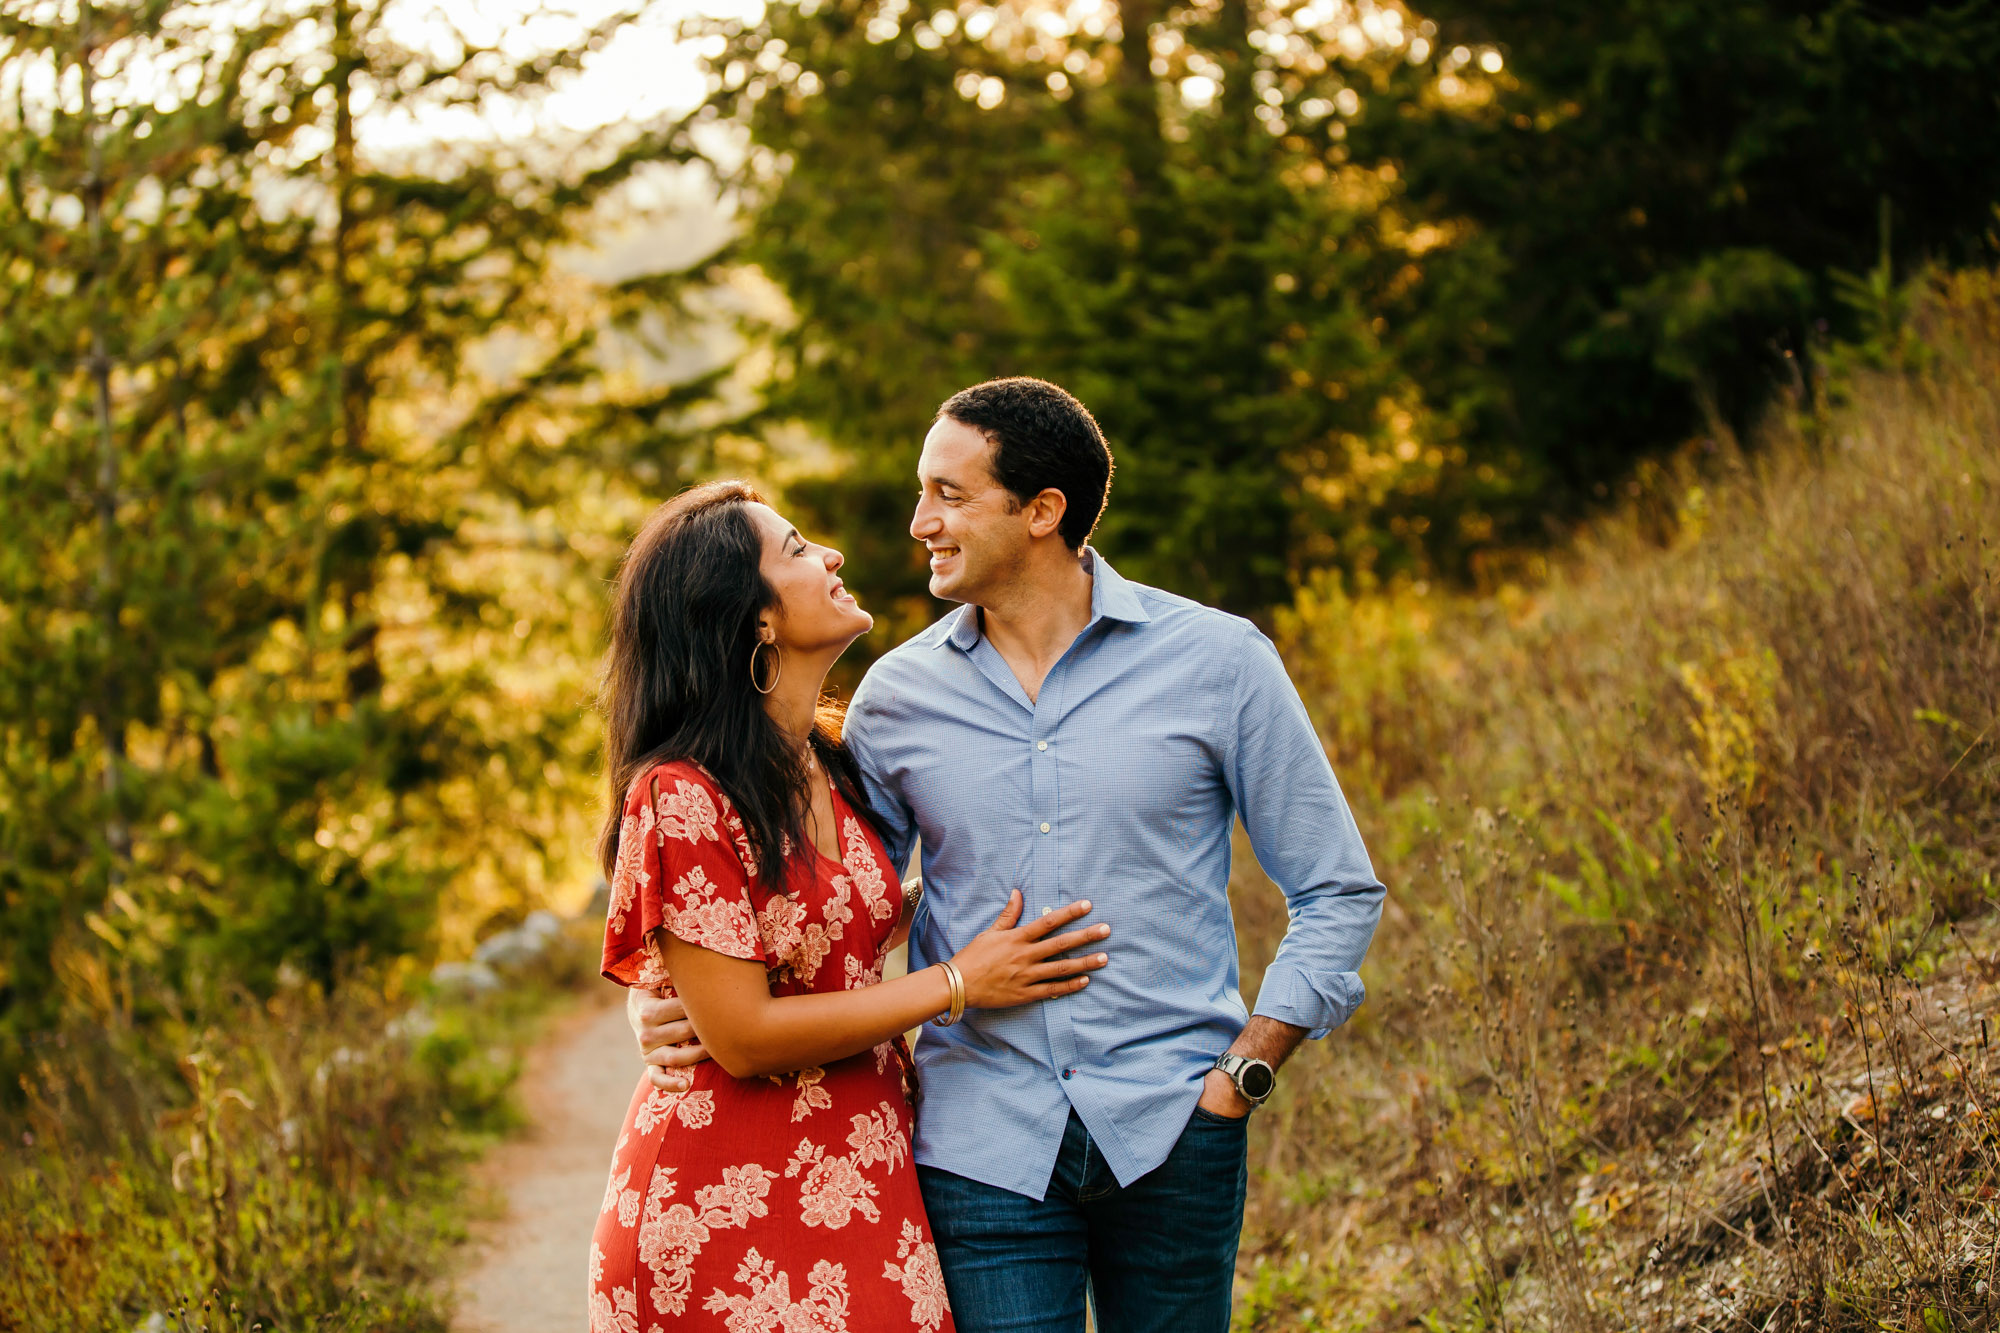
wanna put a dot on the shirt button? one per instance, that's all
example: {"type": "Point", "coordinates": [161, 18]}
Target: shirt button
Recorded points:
{"type": "Point", "coordinates": [1041, 745]}
{"type": "Point", "coordinates": [1045, 828]}
{"type": "Point", "coordinates": [1068, 1072]}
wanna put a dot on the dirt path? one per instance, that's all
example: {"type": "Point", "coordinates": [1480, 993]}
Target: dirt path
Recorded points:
{"type": "Point", "coordinates": [528, 1268]}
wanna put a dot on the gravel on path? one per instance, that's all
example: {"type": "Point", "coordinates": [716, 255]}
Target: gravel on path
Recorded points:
{"type": "Point", "coordinates": [528, 1270]}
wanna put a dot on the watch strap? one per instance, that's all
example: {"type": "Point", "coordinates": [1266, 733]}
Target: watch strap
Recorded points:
{"type": "Point", "coordinates": [1234, 1065]}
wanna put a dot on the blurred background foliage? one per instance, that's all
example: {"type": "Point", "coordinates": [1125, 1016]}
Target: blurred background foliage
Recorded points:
{"type": "Point", "coordinates": [311, 463]}
{"type": "Point", "coordinates": [337, 367]}
{"type": "Point", "coordinates": [1348, 285]}
{"type": "Point", "coordinates": [318, 451]}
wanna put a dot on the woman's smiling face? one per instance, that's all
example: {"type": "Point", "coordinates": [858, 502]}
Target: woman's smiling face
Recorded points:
{"type": "Point", "coordinates": [815, 612]}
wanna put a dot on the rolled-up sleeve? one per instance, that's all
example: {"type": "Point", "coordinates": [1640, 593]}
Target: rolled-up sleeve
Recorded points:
{"type": "Point", "coordinates": [867, 718]}
{"type": "Point", "coordinates": [1306, 841]}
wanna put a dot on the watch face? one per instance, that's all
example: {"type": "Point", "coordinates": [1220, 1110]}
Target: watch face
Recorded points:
{"type": "Point", "coordinates": [1256, 1082]}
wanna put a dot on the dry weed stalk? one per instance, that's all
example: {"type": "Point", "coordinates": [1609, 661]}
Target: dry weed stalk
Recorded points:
{"type": "Point", "coordinates": [297, 1177]}
{"type": "Point", "coordinates": [1681, 1026]}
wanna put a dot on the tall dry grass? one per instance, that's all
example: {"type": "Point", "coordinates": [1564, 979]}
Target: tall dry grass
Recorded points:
{"type": "Point", "coordinates": [300, 1168]}
{"type": "Point", "coordinates": [1678, 1012]}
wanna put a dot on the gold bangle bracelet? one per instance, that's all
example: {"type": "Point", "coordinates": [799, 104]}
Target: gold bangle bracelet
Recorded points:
{"type": "Point", "coordinates": [943, 1020]}
{"type": "Point", "coordinates": [955, 985]}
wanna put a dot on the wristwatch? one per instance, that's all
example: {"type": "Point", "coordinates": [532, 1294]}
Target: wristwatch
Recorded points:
{"type": "Point", "coordinates": [1254, 1079]}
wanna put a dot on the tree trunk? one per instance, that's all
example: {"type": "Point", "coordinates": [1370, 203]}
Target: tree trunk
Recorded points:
{"type": "Point", "coordinates": [110, 705]}
{"type": "Point", "coordinates": [363, 668]}
{"type": "Point", "coordinates": [1137, 96]}
{"type": "Point", "coordinates": [353, 404]}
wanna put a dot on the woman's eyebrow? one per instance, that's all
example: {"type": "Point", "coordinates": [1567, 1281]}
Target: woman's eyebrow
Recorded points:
{"type": "Point", "coordinates": [793, 536]}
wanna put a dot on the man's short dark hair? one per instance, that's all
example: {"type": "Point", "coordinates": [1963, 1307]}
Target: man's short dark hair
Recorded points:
{"type": "Point", "coordinates": [1043, 439]}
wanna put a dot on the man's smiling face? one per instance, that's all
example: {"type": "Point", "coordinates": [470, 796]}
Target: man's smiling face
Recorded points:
{"type": "Point", "coordinates": [975, 530]}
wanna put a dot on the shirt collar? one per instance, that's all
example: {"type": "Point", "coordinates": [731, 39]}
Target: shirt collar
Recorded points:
{"type": "Point", "coordinates": [964, 628]}
{"type": "Point", "coordinates": [1111, 598]}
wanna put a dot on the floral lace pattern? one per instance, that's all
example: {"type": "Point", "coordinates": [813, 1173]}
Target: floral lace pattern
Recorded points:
{"type": "Point", "coordinates": [920, 1276]}
{"type": "Point", "coordinates": [769, 1305]}
{"type": "Point", "coordinates": [868, 875]}
{"type": "Point", "coordinates": [696, 1231]}
{"type": "Point", "coordinates": [811, 1096]}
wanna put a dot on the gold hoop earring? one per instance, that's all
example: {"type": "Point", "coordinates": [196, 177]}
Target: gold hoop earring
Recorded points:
{"type": "Point", "coordinates": [762, 644]}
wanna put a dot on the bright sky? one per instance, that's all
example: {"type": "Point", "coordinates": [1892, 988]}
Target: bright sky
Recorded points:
{"type": "Point", "coordinates": [641, 73]}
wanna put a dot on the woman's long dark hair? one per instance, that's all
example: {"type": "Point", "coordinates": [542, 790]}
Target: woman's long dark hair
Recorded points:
{"type": "Point", "coordinates": [677, 677]}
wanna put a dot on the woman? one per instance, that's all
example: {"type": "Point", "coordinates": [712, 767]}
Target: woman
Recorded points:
{"type": "Point", "coordinates": [776, 1192]}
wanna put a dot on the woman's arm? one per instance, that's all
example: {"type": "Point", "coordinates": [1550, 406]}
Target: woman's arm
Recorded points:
{"type": "Point", "coordinates": [749, 1031]}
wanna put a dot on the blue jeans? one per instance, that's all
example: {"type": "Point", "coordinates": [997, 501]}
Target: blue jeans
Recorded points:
{"type": "Point", "coordinates": [1157, 1256]}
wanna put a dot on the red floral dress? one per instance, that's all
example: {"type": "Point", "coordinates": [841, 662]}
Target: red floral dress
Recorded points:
{"type": "Point", "coordinates": [785, 1203]}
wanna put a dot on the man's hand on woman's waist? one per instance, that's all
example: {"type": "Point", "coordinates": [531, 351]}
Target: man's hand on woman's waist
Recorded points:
{"type": "Point", "coordinates": [666, 1039]}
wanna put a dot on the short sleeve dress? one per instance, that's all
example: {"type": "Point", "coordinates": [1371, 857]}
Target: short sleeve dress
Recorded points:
{"type": "Point", "coordinates": [776, 1203]}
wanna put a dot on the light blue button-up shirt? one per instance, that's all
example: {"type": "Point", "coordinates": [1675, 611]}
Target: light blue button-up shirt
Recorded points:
{"type": "Point", "coordinates": [1120, 783]}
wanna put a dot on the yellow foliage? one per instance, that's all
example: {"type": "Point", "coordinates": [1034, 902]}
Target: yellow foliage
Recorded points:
{"type": "Point", "coordinates": [1734, 702]}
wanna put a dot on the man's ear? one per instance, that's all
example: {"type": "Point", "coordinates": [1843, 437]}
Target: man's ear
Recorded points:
{"type": "Point", "coordinates": [1045, 512]}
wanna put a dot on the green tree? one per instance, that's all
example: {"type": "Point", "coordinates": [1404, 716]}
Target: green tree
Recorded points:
{"type": "Point", "coordinates": [301, 446]}
{"type": "Point", "coordinates": [1648, 206]}
{"type": "Point", "coordinates": [1148, 206]}
{"type": "Point", "coordinates": [1346, 284]}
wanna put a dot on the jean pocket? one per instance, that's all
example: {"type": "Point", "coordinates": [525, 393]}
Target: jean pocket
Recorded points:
{"type": "Point", "coordinates": [1208, 1117]}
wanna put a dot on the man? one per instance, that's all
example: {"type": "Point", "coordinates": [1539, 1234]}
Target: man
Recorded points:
{"type": "Point", "coordinates": [1068, 733]}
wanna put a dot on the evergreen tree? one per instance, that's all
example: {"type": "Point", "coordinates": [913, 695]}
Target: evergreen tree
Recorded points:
{"type": "Point", "coordinates": [302, 445]}
{"type": "Point", "coordinates": [1146, 206]}
{"type": "Point", "coordinates": [1649, 206]}
{"type": "Point", "coordinates": [1346, 284]}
